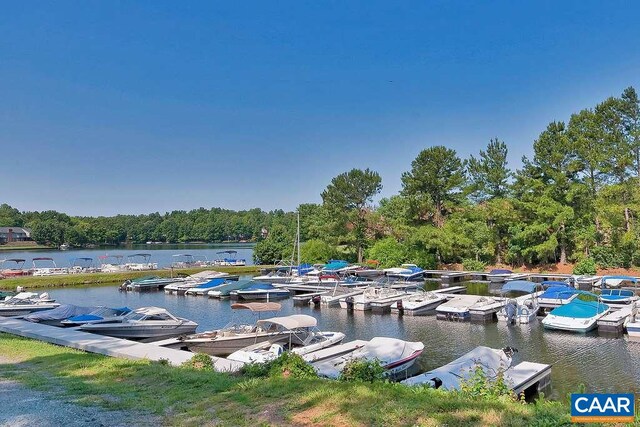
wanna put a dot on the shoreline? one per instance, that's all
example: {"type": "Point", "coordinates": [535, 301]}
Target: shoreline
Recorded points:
{"type": "Point", "coordinates": [88, 279]}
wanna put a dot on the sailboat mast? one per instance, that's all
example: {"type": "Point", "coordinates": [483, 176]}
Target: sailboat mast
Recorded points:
{"type": "Point", "coordinates": [298, 238]}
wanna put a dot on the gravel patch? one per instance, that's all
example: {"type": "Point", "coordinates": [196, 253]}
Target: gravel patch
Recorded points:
{"type": "Point", "coordinates": [24, 407]}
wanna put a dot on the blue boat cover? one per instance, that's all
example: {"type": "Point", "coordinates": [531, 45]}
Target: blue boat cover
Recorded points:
{"type": "Point", "coordinates": [551, 283]}
{"type": "Point", "coordinates": [520, 286]}
{"type": "Point", "coordinates": [211, 283]}
{"type": "Point", "coordinates": [61, 312]}
{"type": "Point", "coordinates": [629, 278]}
{"type": "Point", "coordinates": [335, 265]}
{"type": "Point", "coordinates": [580, 309]}
{"type": "Point", "coordinates": [559, 292]}
{"type": "Point", "coordinates": [500, 271]}
{"type": "Point", "coordinates": [260, 286]}
{"type": "Point", "coordinates": [623, 293]}
{"type": "Point", "coordinates": [304, 269]}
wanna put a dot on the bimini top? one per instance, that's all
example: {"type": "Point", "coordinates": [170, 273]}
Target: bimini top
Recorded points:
{"type": "Point", "coordinates": [580, 309]}
{"type": "Point", "coordinates": [150, 310]}
{"type": "Point", "coordinates": [140, 255]}
{"type": "Point", "coordinates": [520, 286]}
{"type": "Point", "coordinates": [334, 264]}
{"type": "Point", "coordinates": [500, 271]}
{"type": "Point", "coordinates": [616, 280]}
{"type": "Point", "coordinates": [257, 306]}
{"type": "Point", "coordinates": [554, 283]}
{"type": "Point", "coordinates": [294, 321]}
{"type": "Point", "coordinates": [16, 260]}
{"type": "Point", "coordinates": [559, 292]}
{"type": "Point", "coordinates": [42, 259]}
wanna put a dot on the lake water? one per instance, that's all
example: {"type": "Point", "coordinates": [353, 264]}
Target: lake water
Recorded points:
{"type": "Point", "coordinates": [602, 364]}
{"type": "Point", "coordinates": [161, 254]}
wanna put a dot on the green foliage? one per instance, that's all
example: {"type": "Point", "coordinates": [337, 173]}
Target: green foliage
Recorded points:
{"type": "Point", "coordinates": [389, 252]}
{"type": "Point", "coordinates": [608, 257]}
{"type": "Point", "coordinates": [363, 370]}
{"type": "Point", "coordinates": [317, 251]}
{"type": "Point", "coordinates": [199, 362]}
{"type": "Point", "coordinates": [277, 246]}
{"type": "Point", "coordinates": [479, 385]}
{"type": "Point", "coordinates": [585, 266]}
{"type": "Point", "coordinates": [489, 174]}
{"type": "Point", "coordinates": [473, 265]}
{"type": "Point", "coordinates": [289, 365]}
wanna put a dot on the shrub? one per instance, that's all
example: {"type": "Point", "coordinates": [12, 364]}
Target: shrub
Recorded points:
{"type": "Point", "coordinates": [389, 252]}
{"type": "Point", "coordinates": [479, 385]}
{"type": "Point", "coordinates": [200, 362]}
{"type": "Point", "coordinates": [608, 257]}
{"type": "Point", "coordinates": [470, 264]}
{"type": "Point", "coordinates": [286, 365]}
{"type": "Point", "coordinates": [585, 266]}
{"type": "Point", "coordinates": [317, 251]}
{"type": "Point", "coordinates": [363, 370]}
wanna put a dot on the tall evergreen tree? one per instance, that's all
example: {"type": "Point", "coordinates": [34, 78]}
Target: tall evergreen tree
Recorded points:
{"type": "Point", "coordinates": [489, 174]}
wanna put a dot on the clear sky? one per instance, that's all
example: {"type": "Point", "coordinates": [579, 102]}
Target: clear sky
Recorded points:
{"type": "Point", "coordinates": [133, 107]}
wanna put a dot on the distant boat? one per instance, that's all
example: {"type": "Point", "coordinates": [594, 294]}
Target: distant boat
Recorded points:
{"type": "Point", "coordinates": [579, 315]}
{"type": "Point", "coordinates": [521, 309]}
{"type": "Point", "coordinates": [616, 281]}
{"type": "Point", "coordinates": [618, 296]}
{"type": "Point", "coordinates": [147, 283]}
{"type": "Point", "coordinates": [418, 303]}
{"type": "Point", "coordinates": [25, 303]}
{"type": "Point", "coordinates": [230, 259]}
{"type": "Point", "coordinates": [14, 268]}
{"type": "Point", "coordinates": [48, 269]}
{"type": "Point", "coordinates": [143, 262]}
{"type": "Point", "coordinates": [64, 247]}
{"type": "Point", "coordinates": [259, 291]}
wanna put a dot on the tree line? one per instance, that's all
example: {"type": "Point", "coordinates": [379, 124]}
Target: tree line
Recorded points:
{"type": "Point", "coordinates": [575, 199]}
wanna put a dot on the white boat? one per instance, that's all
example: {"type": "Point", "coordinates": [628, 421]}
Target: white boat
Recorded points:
{"type": "Point", "coordinates": [182, 285]}
{"type": "Point", "coordinates": [146, 324]}
{"type": "Point", "coordinates": [25, 303]}
{"type": "Point", "coordinates": [556, 294]}
{"type": "Point", "coordinates": [143, 262]}
{"type": "Point", "coordinates": [633, 323]}
{"type": "Point", "coordinates": [394, 355]}
{"type": "Point", "coordinates": [362, 302]}
{"type": "Point", "coordinates": [224, 290]}
{"type": "Point", "coordinates": [406, 272]}
{"type": "Point", "coordinates": [458, 307]}
{"type": "Point", "coordinates": [616, 282]}
{"type": "Point", "coordinates": [305, 338]}
{"type": "Point", "coordinates": [112, 263]}
{"type": "Point", "coordinates": [45, 266]}
{"type": "Point", "coordinates": [418, 303]}
{"type": "Point", "coordinates": [259, 291]}
{"type": "Point", "coordinates": [618, 297]}
{"type": "Point", "coordinates": [521, 309]}
{"type": "Point", "coordinates": [451, 375]}
{"type": "Point", "coordinates": [579, 315]}
{"type": "Point", "coordinates": [100, 313]}
{"type": "Point", "coordinates": [499, 275]}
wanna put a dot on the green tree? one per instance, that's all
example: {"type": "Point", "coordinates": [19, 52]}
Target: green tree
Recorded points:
{"type": "Point", "coordinates": [436, 178]}
{"type": "Point", "coordinates": [316, 251]}
{"type": "Point", "coordinates": [347, 198]}
{"type": "Point", "coordinates": [489, 174]}
{"type": "Point", "coordinates": [277, 246]}
{"type": "Point", "coordinates": [389, 252]}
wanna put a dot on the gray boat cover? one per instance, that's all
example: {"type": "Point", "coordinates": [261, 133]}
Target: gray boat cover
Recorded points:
{"type": "Point", "coordinates": [62, 312]}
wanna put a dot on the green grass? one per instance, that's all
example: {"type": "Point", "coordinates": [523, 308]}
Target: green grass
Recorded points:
{"type": "Point", "coordinates": [183, 396]}
{"type": "Point", "coordinates": [102, 278]}
{"type": "Point", "coordinates": [35, 246]}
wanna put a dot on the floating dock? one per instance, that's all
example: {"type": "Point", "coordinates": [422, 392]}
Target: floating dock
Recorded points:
{"type": "Point", "coordinates": [614, 320]}
{"type": "Point", "coordinates": [108, 346]}
{"type": "Point", "coordinates": [305, 299]}
{"type": "Point", "coordinates": [528, 377]}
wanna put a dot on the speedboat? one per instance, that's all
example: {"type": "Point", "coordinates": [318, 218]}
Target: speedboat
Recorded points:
{"type": "Point", "coordinates": [100, 313]}
{"type": "Point", "coordinates": [394, 355]}
{"type": "Point", "coordinates": [182, 285]}
{"type": "Point", "coordinates": [25, 303]}
{"type": "Point", "coordinates": [557, 294]}
{"type": "Point", "coordinates": [204, 288]}
{"type": "Point", "coordinates": [236, 336]}
{"type": "Point", "coordinates": [618, 296]}
{"type": "Point", "coordinates": [458, 307]}
{"type": "Point", "coordinates": [362, 302]}
{"type": "Point", "coordinates": [56, 316]}
{"type": "Point", "coordinates": [224, 290]}
{"type": "Point", "coordinates": [259, 291]}
{"type": "Point", "coordinates": [498, 275]}
{"type": "Point", "coordinates": [581, 314]}
{"type": "Point", "coordinates": [418, 303]}
{"type": "Point", "coordinates": [616, 281]}
{"type": "Point", "coordinates": [147, 283]}
{"type": "Point", "coordinates": [143, 324]}
{"type": "Point", "coordinates": [521, 309]}
{"type": "Point", "coordinates": [305, 338]}
{"type": "Point", "coordinates": [406, 272]}
{"type": "Point", "coordinates": [450, 376]}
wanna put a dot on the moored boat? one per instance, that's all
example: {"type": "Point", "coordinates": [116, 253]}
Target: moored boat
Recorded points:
{"type": "Point", "coordinates": [418, 303]}
{"type": "Point", "coordinates": [581, 314]}
{"type": "Point", "coordinates": [259, 291]}
{"type": "Point", "coordinates": [523, 308]}
{"type": "Point", "coordinates": [100, 313]}
{"type": "Point", "coordinates": [25, 303]}
{"type": "Point", "coordinates": [618, 296]}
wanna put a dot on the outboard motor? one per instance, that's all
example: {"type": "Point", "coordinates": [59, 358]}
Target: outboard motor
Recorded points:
{"type": "Point", "coordinates": [511, 310]}
{"type": "Point", "coordinates": [437, 382]}
{"type": "Point", "coordinates": [315, 300]}
{"type": "Point", "coordinates": [510, 351]}
{"type": "Point", "coordinates": [349, 301]}
{"type": "Point", "coordinates": [400, 306]}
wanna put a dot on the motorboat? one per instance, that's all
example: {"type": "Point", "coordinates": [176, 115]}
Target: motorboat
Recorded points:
{"type": "Point", "coordinates": [224, 290]}
{"type": "Point", "coordinates": [14, 268]}
{"type": "Point", "coordinates": [56, 316]}
{"type": "Point", "coordinates": [204, 288]}
{"type": "Point", "coordinates": [406, 272]}
{"type": "Point", "coordinates": [143, 324]}
{"type": "Point", "coordinates": [556, 294]}
{"type": "Point", "coordinates": [418, 303]}
{"type": "Point", "coordinates": [112, 263]}
{"type": "Point", "coordinates": [394, 355]}
{"type": "Point", "coordinates": [259, 291]}
{"type": "Point", "coordinates": [458, 307]}
{"type": "Point", "coordinates": [236, 335]}
{"type": "Point", "coordinates": [616, 282]}
{"type": "Point", "coordinates": [305, 338]}
{"type": "Point", "coordinates": [140, 262]}
{"type": "Point", "coordinates": [24, 303]}
{"type": "Point", "coordinates": [99, 313]}
{"type": "Point", "coordinates": [82, 265]}
{"type": "Point", "coordinates": [633, 323]}
{"type": "Point", "coordinates": [148, 283]}
{"type": "Point", "coordinates": [362, 302]}
{"type": "Point", "coordinates": [182, 261]}
{"type": "Point", "coordinates": [451, 376]}
{"type": "Point", "coordinates": [181, 286]}
{"type": "Point", "coordinates": [498, 275]}
{"type": "Point", "coordinates": [522, 308]}
{"type": "Point", "coordinates": [618, 296]}
{"type": "Point", "coordinates": [230, 259]}
{"type": "Point", "coordinates": [45, 266]}
{"type": "Point", "coordinates": [581, 314]}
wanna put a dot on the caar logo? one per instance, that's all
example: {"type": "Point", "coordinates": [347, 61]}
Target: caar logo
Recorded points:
{"type": "Point", "coordinates": [602, 408]}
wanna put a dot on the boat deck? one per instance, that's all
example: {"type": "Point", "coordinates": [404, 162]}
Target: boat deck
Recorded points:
{"type": "Point", "coordinates": [305, 299]}
{"type": "Point", "coordinates": [614, 320]}
{"type": "Point", "coordinates": [108, 346]}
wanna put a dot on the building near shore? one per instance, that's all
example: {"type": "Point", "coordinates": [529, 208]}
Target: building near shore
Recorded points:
{"type": "Point", "coordinates": [14, 234]}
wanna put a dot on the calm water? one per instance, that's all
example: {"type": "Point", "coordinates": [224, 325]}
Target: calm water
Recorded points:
{"type": "Point", "coordinates": [161, 254]}
{"type": "Point", "coordinates": [602, 364]}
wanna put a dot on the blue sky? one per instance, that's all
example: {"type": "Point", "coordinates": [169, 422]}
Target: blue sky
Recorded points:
{"type": "Point", "coordinates": [134, 107]}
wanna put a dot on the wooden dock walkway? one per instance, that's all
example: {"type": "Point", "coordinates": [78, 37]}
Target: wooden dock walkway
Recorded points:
{"type": "Point", "coordinates": [108, 346]}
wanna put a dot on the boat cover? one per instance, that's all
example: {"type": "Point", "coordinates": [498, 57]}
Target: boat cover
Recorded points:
{"type": "Point", "coordinates": [617, 280]}
{"type": "Point", "coordinates": [211, 283]}
{"type": "Point", "coordinates": [61, 312]}
{"type": "Point", "coordinates": [490, 360]}
{"type": "Point", "coordinates": [520, 286]}
{"type": "Point", "coordinates": [580, 309]}
{"type": "Point", "coordinates": [335, 265]}
{"type": "Point", "coordinates": [294, 321]}
{"type": "Point", "coordinates": [500, 271]}
{"type": "Point", "coordinates": [259, 286]}
{"type": "Point", "coordinates": [257, 306]}
{"type": "Point", "coordinates": [559, 292]}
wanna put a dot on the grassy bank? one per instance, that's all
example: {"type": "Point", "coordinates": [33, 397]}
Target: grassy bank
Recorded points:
{"type": "Point", "coordinates": [29, 247]}
{"type": "Point", "coordinates": [29, 282]}
{"type": "Point", "coordinates": [183, 396]}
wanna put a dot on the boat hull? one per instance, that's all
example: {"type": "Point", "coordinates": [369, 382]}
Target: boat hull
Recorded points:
{"type": "Point", "coordinates": [224, 346]}
{"type": "Point", "coordinates": [143, 332]}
